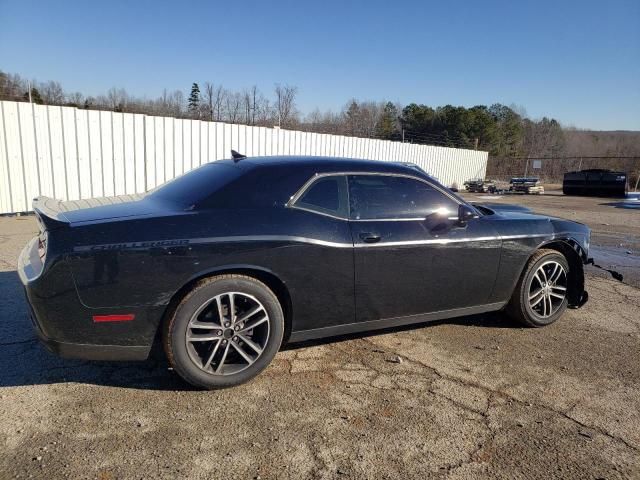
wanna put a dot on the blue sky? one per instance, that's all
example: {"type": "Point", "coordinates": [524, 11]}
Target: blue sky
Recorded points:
{"type": "Point", "coordinates": [576, 61]}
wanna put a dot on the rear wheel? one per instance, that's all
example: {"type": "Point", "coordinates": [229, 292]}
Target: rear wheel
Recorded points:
{"type": "Point", "coordinates": [540, 297]}
{"type": "Point", "coordinates": [224, 332]}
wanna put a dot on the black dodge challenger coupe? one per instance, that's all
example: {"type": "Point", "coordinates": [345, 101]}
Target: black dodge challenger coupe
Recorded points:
{"type": "Point", "coordinates": [230, 260]}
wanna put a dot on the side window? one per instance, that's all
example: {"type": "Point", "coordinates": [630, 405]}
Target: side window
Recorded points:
{"type": "Point", "coordinates": [326, 195]}
{"type": "Point", "coordinates": [374, 197]}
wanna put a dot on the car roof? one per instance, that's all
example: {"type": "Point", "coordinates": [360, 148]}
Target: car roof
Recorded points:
{"type": "Point", "coordinates": [326, 164]}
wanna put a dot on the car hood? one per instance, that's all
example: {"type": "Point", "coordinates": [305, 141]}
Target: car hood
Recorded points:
{"type": "Point", "coordinates": [503, 207]}
{"type": "Point", "coordinates": [111, 208]}
{"type": "Point", "coordinates": [518, 212]}
{"type": "Point", "coordinates": [510, 220]}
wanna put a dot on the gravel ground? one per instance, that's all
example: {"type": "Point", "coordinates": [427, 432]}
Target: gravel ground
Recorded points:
{"type": "Point", "coordinates": [466, 398]}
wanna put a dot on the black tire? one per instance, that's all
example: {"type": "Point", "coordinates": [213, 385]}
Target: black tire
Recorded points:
{"type": "Point", "coordinates": [176, 326]}
{"type": "Point", "coordinates": [519, 307]}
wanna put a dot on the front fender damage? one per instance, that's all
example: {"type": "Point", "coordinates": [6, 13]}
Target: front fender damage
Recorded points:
{"type": "Point", "coordinates": [577, 296]}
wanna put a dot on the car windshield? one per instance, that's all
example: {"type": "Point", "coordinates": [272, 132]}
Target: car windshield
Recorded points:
{"type": "Point", "coordinates": [194, 186]}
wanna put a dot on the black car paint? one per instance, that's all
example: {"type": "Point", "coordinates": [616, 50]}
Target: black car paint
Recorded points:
{"type": "Point", "coordinates": [397, 280]}
{"type": "Point", "coordinates": [140, 256]}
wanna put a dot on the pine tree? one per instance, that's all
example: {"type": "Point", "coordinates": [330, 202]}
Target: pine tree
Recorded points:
{"type": "Point", "coordinates": [352, 117]}
{"type": "Point", "coordinates": [35, 96]}
{"type": "Point", "coordinates": [194, 101]}
{"type": "Point", "coordinates": [387, 126]}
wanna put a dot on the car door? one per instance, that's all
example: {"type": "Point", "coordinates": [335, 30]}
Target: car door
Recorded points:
{"type": "Point", "coordinates": [411, 255]}
{"type": "Point", "coordinates": [319, 273]}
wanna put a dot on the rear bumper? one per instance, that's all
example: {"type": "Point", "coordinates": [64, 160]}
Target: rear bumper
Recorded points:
{"type": "Point", "coordinates": [87, 351]}
{"type": "Point", "coordinates": [93, 352]}
{"type": "Point", "coordinates": [62, 323]}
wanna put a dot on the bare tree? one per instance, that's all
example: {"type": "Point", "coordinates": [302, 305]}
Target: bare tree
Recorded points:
{"type": "Point", "coordinates": [176, 103]}
{"type": "Point", "coordinates": [233, 107]}
{"type": "Point", "coordinates": [368, 117]}
{"type": "Point", "coordinates": [12, 86]}
{"type": "Point", "coordinates": [251, 100]}
{"type": "Point", "coordinates": [543, 138]}
{"type": "Point", "coordinates": [286, 105]}
{"type": "Point", "coordinates": [76, 99]}
{"type": "Point", "coordinates": [169, 104]}
{"type": "Point", "coordinates": [256, 96]}
{"type": "Point", "coordinates": [209, 100]}
{"type": "Point", "coordinates": [52, 93]}
{"type": "Point", "coordinates": [218, 103]}
{"type": "Point", "coordinates": [117, 99]}
{"type": "Point", "coordinates": [164, 101]}
{"type": "Point", "coordinates": [246, 107]}
{"type": "Point", "coordinates": [213, 101]}
{"type": "Point", "coordinates": [264, 112]}
{"type": "Point", "coordinates": [324, 122]}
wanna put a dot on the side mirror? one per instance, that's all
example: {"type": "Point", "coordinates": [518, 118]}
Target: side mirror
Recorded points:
{"type": "Point", "coordinates": [465, 213]}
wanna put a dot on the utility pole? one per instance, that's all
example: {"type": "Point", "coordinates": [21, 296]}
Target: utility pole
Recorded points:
{"type": "Point", "coordinates": [29, 86]}
{"type": "Point", "coordinates": [403, 135]}
{"type": "Point", "coordinates": [475, 144]}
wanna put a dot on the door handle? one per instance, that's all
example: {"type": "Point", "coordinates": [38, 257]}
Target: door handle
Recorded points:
{"type": "Point", "coordinates": [370, 237]}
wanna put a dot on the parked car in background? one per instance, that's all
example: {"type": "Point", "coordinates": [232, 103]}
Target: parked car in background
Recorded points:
{"type": "Point", "coordinates": [479, 185]}
{"type": "Point", "coordinates": [595, 182]}
{"type": "Point", "coordinates": [233, 259]}
{"type": "Point", "coordinates": [530, 185]}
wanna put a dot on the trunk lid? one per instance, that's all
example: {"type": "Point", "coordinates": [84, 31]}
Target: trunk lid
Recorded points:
{"type": "Point", "coordinates": [55, 214]}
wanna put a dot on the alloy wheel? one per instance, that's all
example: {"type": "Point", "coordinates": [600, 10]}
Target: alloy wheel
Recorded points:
{"type": "Point", "coordinates": [548, 289]}
{"type": "Point", "coordinates": [227, 333]}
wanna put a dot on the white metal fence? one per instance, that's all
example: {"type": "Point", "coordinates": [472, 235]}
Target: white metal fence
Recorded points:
{"type": "Point", "coordinates": [69, 153]}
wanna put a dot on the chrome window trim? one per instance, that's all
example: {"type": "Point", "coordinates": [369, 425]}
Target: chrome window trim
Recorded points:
{"type": "Point", "coordinates": [316, 176]}
{"type": "Point", "coordinates": [308, 184]}
{"type": "Point", "coordinates": [304, 209]}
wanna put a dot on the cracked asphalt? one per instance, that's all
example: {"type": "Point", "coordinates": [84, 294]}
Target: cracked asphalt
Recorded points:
{"type": "Point", "coordinates": [475, 397]}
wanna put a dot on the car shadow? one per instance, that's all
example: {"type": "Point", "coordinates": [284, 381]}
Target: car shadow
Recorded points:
{"type": "Point", "coordinates": [24, 361]}
{"type": "Point", "coordinates": [484, 320]}
{"type": "Point", "coordinates": [631, 205]}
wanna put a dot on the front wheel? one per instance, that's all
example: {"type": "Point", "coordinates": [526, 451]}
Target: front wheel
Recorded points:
{"type": "Point", "coordinates": [224, 332]}
{"type": "Point", "coordinates": [540, 297]}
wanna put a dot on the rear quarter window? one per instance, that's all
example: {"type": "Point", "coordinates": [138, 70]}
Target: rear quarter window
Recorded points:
{"type": "Point", "coordinates": [197, 185]}
{"type": "Point", "coordinates": [326, 195]}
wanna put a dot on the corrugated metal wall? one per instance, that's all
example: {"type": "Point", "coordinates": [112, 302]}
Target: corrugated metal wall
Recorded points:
{"type": "Point", "coordinates": [69, 154]}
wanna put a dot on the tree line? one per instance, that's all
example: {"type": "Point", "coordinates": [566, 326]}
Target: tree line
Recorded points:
{"type": "Point", "coordinates": [211, 102]}
{"type": "Point", "coordinates": [503, 131]}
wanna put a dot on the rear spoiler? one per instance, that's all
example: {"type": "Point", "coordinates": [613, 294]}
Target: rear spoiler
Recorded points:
{"type": "Point", "coordinates": [49, 213]}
